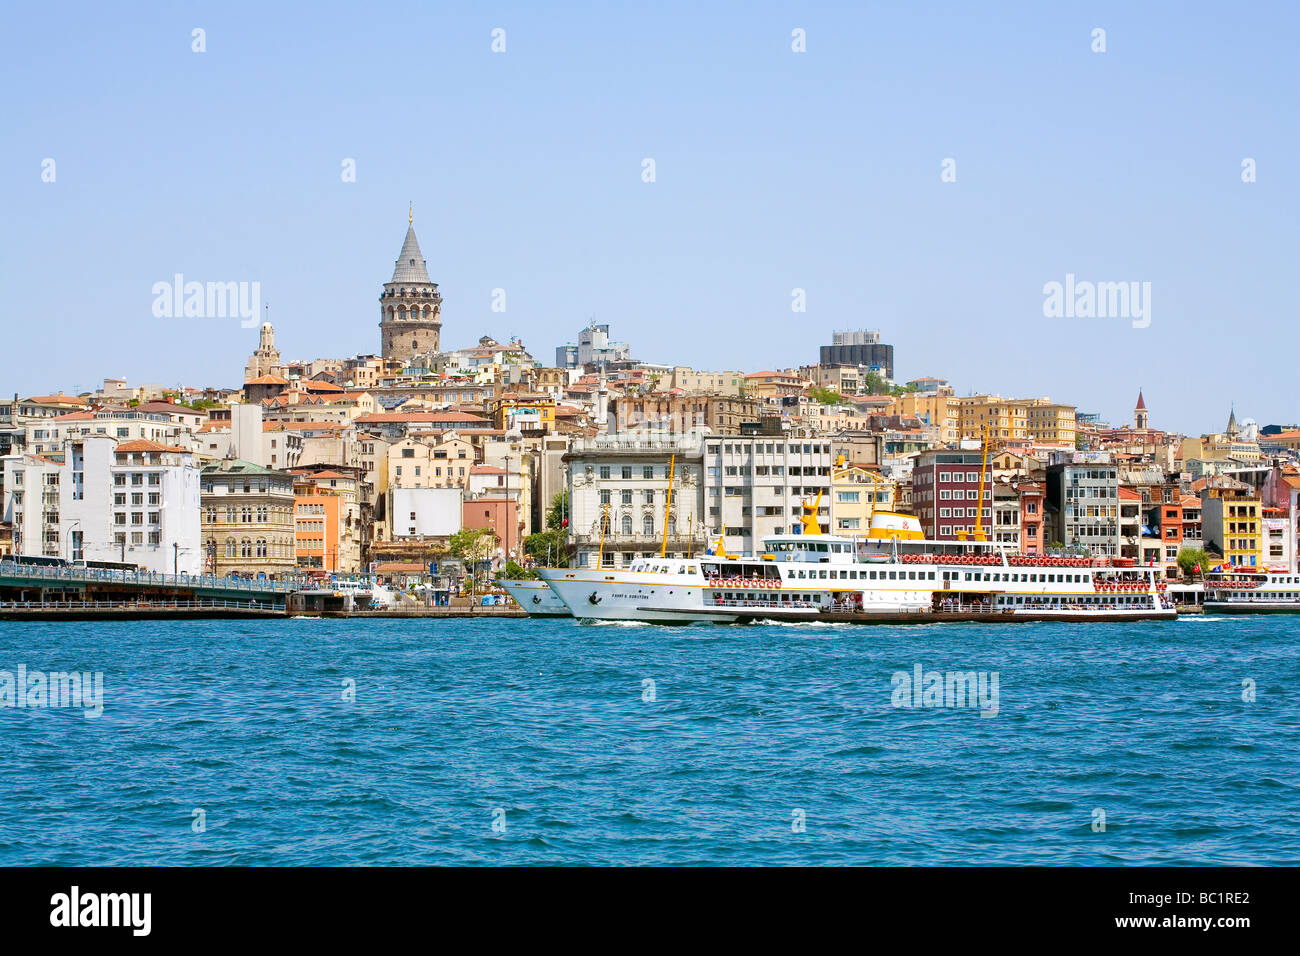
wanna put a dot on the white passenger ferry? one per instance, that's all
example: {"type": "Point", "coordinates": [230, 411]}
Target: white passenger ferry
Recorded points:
{"type": "Point", "coordinates": [1252, 592]}
{"type": "Point", "coordinates": [892, 574]}
{"type": "Point", "coordinates": [535, 597]}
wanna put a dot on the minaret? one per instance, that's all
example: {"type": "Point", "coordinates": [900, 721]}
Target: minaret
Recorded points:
{"type": "Point", "coordinates": [1140, 413]}
{"type": "Point", "coordinates": [410, 308]}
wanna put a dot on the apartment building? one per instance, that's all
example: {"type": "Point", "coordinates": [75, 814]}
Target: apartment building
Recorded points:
{"type": "Point", "coordinates": [946, 489]}
{"type": "Point", "coordinates": [857, 492]}
{"type": "Point", "coordinates": [721, 414]}
{"type": "Point", "coordinates": [1049, 423]}
{"type": "Point", "coordinates": [755, 486]}
{"type": "Point", "coordinates": [248, 523]}
{"type": "Point", "coordinates": [1083, 497]}
{"type": "Point", "coordinates": [327, 520]}
{"type": "Point", "coordinates": [134, 502]}
{"type": "Point", "coordinates": [1005, 420]}
{"type": "Point", "coordinates": [1232, 518]}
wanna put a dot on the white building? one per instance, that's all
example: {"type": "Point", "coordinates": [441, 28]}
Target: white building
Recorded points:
{"type": "Point", "coordinates": [123, 424]}
{"type": "Point", "coordinates": [756, 486]}
{"type": "Point", "coordinates": [623, 481]}
{"type": "Point", "coordinates": [424, 512]}
{"type": "Point", "coordinates": [133, 501]}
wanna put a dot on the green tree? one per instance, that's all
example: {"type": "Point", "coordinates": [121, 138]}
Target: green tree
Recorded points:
{"type": "Point", "coordinates": [1189, 558]}
{"type": "Point", "coordinates": [516, 572]}
{"type": "Point", "coordinates": [825, 396]}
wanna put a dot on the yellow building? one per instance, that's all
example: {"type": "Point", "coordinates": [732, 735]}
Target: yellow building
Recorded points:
{"type": "Point", "coordinates": [940, 410]}
{"type": "Point", "coordinates": [1005, 419]}
{"type": "Point", "coordinates": [1049, 423]}
{"type": "Point", "coordinates": [857, 492]}
{"type": "Point", "coordinates": [1232, 522]}
{"type": "Point", "coordinates": [443, 463]}
{"type": "Point", "coordinates": [527, 412]}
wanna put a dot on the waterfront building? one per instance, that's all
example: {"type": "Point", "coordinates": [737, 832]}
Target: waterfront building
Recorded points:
{"type": "Point", "coordinates": [327, 518]}
{"type": "Point", "coordinates": [1231, 516]}
{"type": "Point", "coordinates": [755, 485]}
{"type": "Point", "coordinates": [133, 502]}
{"type": "Point", "coordinates": [1083, 500]}
{"type": "Point", "coordinates": [618, 495]}
{"type": "Point", "coordinates": [248, 520]}
{"type": "Point", "coordinates": [857, 491]}
{"type": "Point", "coordinates": [946, 488]}
{"type": "Point", "coordinates": [410, 306]}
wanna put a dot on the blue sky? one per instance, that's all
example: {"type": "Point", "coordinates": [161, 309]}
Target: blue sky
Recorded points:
{"type": "Point", "coordinates": [775, 170]}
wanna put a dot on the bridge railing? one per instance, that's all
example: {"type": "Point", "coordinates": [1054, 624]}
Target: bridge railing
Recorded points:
{"type": "Point", "coordinates": [9, 568]}
{"type": "Point", "coordinates": [139, 605]}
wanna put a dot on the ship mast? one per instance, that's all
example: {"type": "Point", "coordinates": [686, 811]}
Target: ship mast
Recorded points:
{"type": "Point", "coordinates": [672, 461]}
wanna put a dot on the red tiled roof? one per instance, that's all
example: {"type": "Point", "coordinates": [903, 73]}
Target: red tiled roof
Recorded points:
{"type": "Point", "coordinates": [143, 444]}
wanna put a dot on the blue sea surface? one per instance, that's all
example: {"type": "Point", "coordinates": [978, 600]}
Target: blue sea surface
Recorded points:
{"type": "Point", "coordinates": [549, 742]}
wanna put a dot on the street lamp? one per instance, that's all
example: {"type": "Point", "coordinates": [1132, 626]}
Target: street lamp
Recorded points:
{"type": "Point", "coordinates": [72, 550]}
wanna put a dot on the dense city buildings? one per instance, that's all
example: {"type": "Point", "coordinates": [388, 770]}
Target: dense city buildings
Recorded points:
{"type": "Point", "coordinates": [320, 467]}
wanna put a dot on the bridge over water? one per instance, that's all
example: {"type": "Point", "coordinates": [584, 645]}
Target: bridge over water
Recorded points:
{"type": "Point", "coordinates": [27, 582]}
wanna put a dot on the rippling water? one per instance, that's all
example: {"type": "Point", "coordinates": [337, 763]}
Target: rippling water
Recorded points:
{"type": "Point", "coordinates": [549, 729]}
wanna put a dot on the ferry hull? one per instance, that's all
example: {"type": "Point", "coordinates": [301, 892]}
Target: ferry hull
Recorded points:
{"type": "Point", "coordinates": [590, 599]}
{"type": "Point", "coordinates": [1252, 607]}
{"type": "Point", "coordinates": [536, 597]}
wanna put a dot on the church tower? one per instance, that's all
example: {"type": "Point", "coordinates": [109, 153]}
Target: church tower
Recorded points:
{"type": "Point", "coordinates": [1140, 413]}
{"type": "Point", "coordinates": [410, 308]}
{"type": "Point", "coordinates": [266, 360]}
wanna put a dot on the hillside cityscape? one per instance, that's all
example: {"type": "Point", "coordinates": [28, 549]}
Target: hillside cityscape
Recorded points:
{"type": "Point", "coordinates": [418, 462]}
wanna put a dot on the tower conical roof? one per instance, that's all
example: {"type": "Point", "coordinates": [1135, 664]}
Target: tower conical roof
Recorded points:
{"type": "Point", "coordinates": [411, 266]}
{"type": "Point", "coordinates": [1141, 403]}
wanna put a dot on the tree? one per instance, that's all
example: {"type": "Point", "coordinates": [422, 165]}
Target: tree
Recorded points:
{"type": "Point", "coordinates": [516, 572]}
{"type": "Point", "coordinates": [825, 396]}
{"type": "Point", "coordinates": [1189, 558]}
{"type": "Point", "coordinates": [550, 547]}
{"type": "Point", "coordinates": [472, 545]}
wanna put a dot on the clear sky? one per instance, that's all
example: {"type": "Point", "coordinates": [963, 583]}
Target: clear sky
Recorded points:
{"type": "Point", "coordinates": [774, 170]}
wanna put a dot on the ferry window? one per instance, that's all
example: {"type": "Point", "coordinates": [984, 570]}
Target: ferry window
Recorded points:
{"type": "Point", "coordinates": [911, 575]}
{"type": "Point", "coordinates": [823, 575]}
{"type": "Point", "coordinates": [873, 575]}
{"type": "Point", "coordinates": [802, 574]}
{"type": "Point", "coordinates": [931, 575]}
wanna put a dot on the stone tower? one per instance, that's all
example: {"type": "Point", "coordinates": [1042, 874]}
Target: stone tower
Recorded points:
{"type": "Point", "coordinates": [1140, 413]}
{"type": "Point", "coordinates": [410, 308]}
{"type": "Point", "coordinates": [266, 360]}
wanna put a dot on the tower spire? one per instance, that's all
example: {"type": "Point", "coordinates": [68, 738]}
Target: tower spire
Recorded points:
{"type": "Point", "coordinates": [410, 215]}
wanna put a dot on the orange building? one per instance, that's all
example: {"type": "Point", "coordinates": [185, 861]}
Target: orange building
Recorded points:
{"type": "Point", "coordinates": [500, 515]}
{"type": "Point", "coordinates": [316, 532]}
